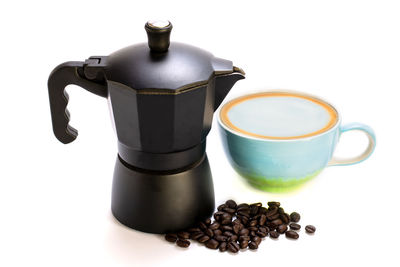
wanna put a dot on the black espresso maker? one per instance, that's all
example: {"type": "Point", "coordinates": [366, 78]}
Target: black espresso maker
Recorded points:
{"type": "Point", "coordinates": [162, 97]}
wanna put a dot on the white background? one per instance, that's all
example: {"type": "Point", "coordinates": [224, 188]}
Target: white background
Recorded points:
{"type": "Point", "coordinates": [55, 198]}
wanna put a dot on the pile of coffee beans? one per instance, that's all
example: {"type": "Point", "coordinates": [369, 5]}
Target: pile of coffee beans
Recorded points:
{"type": "Point", "coordinates": [241, 226]}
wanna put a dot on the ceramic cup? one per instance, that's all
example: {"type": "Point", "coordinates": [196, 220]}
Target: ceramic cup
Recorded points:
{"type": "Point", "coordinates": [278, 140]}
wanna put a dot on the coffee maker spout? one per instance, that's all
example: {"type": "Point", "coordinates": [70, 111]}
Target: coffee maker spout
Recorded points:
{"type": "Point", "coordinates": [224, 83]}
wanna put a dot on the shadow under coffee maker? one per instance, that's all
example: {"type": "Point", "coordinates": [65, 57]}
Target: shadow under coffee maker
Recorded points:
{"type": "Point", "coordinates": [162, 97]}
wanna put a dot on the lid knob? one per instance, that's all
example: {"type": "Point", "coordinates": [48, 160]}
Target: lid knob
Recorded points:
{"type": "Point", "coordinates": [158, 32]}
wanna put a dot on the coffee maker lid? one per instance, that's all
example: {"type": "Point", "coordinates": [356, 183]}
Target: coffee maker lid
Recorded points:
{"type": "Point", "coordinates": [163, 67]}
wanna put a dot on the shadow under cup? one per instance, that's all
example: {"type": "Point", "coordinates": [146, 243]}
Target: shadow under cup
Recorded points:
{"type": "Point", "coordinates": [271, 160]}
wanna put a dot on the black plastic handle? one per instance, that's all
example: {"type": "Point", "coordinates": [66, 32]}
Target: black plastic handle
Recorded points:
{"type": "Point", "coordinates": [72, 72]}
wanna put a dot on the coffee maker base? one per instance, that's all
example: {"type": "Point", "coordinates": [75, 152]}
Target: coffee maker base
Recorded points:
{"type": "Point", "coordinates": [161, 202]}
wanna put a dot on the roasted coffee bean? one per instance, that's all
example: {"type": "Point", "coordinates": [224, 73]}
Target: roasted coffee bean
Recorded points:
{"type": "Point", "coordinates": [292, 234]}
{"type": "Point", "coordinates": [242, 206]}
{"type": "Point", "coordinates": [282, 228]}
{"type": "Point", "coordinates": [217, 232]}
{"type": "Point", "coordinates": [233, 247]}
{"type": "Point", "coordinates": [233, 238]}
{"type": "Point", "coordinates": [194, 230]}
{"type": "Point", "coordinates": [252, 228]}
{"type": "Point", "coordinates": [262, 210]}
{"type": "Point", "coordinates": [218, 214]}
{"type": "Point", "coordinates": [171, 237]}
{"type": "Point", "coordinates": [212, 244]}
{"type": "Point", "coordinates": [221, 238]}
{"type": "Point", "coordinates": [226, 218]}
{"type": "Point", "coordinates": [274, 234]}
{"type": "Point", "coordinates": [209, 232]}
{"type": "Point", "coordinates": [245, 213]}
{"type": "Point", "coordinates": [256, 240]}
{"type": "Point", "coordinates": [262, 220]}
{"type": "Point", "coordinates": [214, 226]}
{"type": "Point", "coordinates": [231, 204]}
{"type": "Point", "coordinates": [295, 226]}
{"type": "Point", "coordinates": [228, 233]}
{"type": "Point", "coordinates": [253, 245]}
{"type": "Point", "coordinates": [274, 217]}
{"type": "Point", "coordinates": [244, 244]}
{"type": "Point", "coordinates": [285, 218]}
{"type": "Point", "coordinates": [254, 210]}
{"type": "Point", "coordinates": [207, 221]}
{"type": "Point", "coordinates": [222, 206]}
{"type": "Point", "coordinates": [229, 210]}
{"type": "Point", "coordinates": [271, 226]}
{"type": "Point", "coordinates": [263, 229]}
{"type": "Point", "coordinates": [236, 221]}
{"type": "Point", "coordinates": [271, 212]}
{"type": "Point", "coordinates": [203, 226]}
{"type": "Point", "coordinates": [226, 228]}
{"type": "Point", "coordinates": [244, 231]}
{"type": "Point", "coordinates": [294, 217]}
{"type": "Point", "coordinates": [183, 235]}
{"type": "Point", "coordinates": [281, 210]}
{"type": "Point", "coordinates": [196, 236]}
{"type": "Point", "coordinates": [273, 203]}
{"type": "Point", "coordinates": [223, 246]}
{"type": "Point", "coordinates": [310, 229]}
{"type": "Point", "coordinates": [252, 223]}
{"type": "Point", "coordinates": [261, 234]}
{"type": "Point", "coordinates": [244, 237]}
{"type": "Point", "coordinates": [183, 243]}
{"type": "Point", "coordinates": [243, 219]}
{"type": "Point", "coordinates": [253, 233]}
{"type": "Point", "coordinates": [203, 238]}
{"type": "Point", "coordinates": [277, 222]}
{"type": "Point", "coordinates": [258, 204]}
{"type": "Point", "coordinates": [236, 228]}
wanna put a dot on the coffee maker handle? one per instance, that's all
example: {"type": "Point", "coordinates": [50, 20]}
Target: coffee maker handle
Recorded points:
{"type": "Point", "coordinates": [72, 72]}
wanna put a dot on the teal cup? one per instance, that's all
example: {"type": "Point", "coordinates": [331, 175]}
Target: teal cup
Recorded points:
{"type": "Point", "coordinates": [278, 140]}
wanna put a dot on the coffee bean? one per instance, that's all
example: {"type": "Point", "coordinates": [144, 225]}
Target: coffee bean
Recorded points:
{"type": "Point", "coordinates": [254, 210]}
{"type": "Point", "coordinates": [236, 228]}
{"type": "Point", "coordinates": [243, 219]}
{"type": "Point", "coordinates": [294, 217]}
{"type": "Point", "coordinates": [183, 243]}
{"type": "Point", "coordinates": [253, 245]}
{"type": "Point", "coordinates": [233, 247]}
{"type": "Point", "coordinates": [227, 233]}
{"type": "Point", "coordinates": [229, 210]}
{"type": "Point", "coordinates": [236, 221]}
{"type": "Point", "coordinates": [256, 240]}
{"type": "Point", "coordinates": [221, 238]}
{"type": "Point", "coordinates": [244, 231]}
{"type": "Point", "coordinates": [273, 203]}
{"type": "Point", "coordinates": [183, 235]}
{"type": "Point", "coordinates": [223, 246]}
{"type": "Point", "coordinates": [233, 238]}
{"type": "Point", "coordinates": [274, 217]}
{"type": "Point", "coordinates": [196, 236]}
{"type": "Point", "coordinates": [285, 218]}
{"type": "Point", "coordinates": [244, 238]}
{"type": "Point", "coordinates": [217, 232]}
{"type": "Point", "coordinates": [171, 237]}
{"type": "Point", "coordinates": [214, 226]}
{"type": "Point", "coordinates": [207, 221]}
{"type": "Point", "coordinates": [226, 218]}
{"type": "Point", "coordinates": [277, 222]}
{"type": "Point", "coordinates": [281, 210]}
{"type": "Point", "coordinates": [271, 212]}
{"type": "Point", "coordinates": [261, 234]}
{"type": "Point", "coordinates": [212, 244]}
{"type": "Point", "coordinates": [218, 214]}
{"type": "Point", "coordinates": [203, 226]}
{"type": "Point", "coordinates": [258, 204]}
{"type": "Point", "coordinates": [252, 233]}
{"type": "Point", "coordinates": [271, 226]}
{"type": "Point", "coordinates": [292, 234]}
{"type": "Point", "coordinates": [252, 223]}
{"type": "Point", "coordinates": [194, 230]}
{"type": "Point", "coordinates": [310, 229]}
{"type": "Point", "coordinates": [262, 220]}
{"type": "Point", "coordinates": [244, 244]}
{"type": "Point", "coordinates": [282, 228]}
{"type": "Point", "coordinates": [220, 207]}
{"type": "Point", "coordinates": [242, 206]}
{"type": "Point", "coordinates": [231, 204]}
{"type": "Point", "coordinates": [209, 232]}
{"type": "Point", "coordinates": [252, 228]}
{"type": "Point", "coordinates": [245, 213]}
{"type": "Point", "coordinates": [273, 234]}
{"type": "Point", "coordinates": [295, 226]}
{"type": "Point", "coordinates": [263, 229]}
{"type": "Point", "coordinates": [226, 228]}
{"type": "Point", "coordinates": [203, 238]}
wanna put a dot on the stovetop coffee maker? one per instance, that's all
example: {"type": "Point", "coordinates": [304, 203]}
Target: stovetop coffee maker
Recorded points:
{"type": "Point", "coordinates": [162, 97]}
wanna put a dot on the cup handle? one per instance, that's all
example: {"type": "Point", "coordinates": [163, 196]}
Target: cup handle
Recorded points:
{"type": "Point", "coordinates": [367, 152]}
